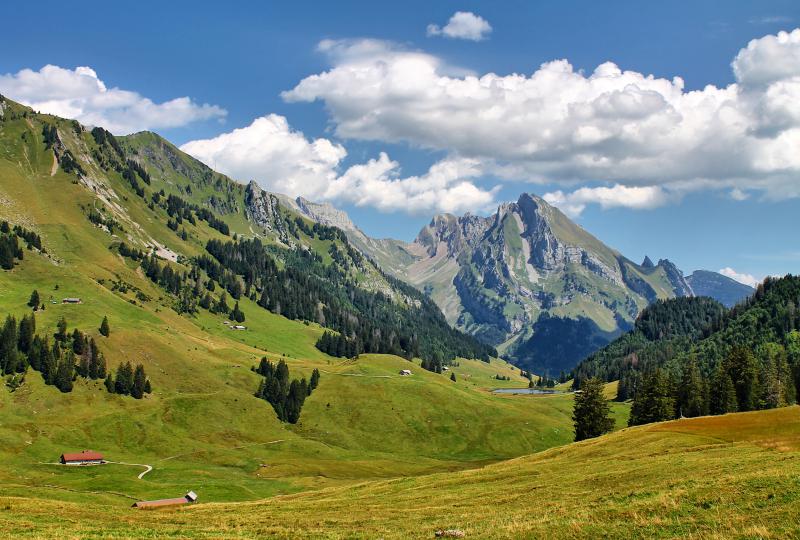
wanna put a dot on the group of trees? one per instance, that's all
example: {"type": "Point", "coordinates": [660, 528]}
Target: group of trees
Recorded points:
{"type": "Point", "coordinates": [285, 396]}
{"type": "Point", "coordinates": [179, 210]}
{"type": "Point", "coordinates": [69, 355]}
{"type": "Point", "coordinates": [690, 357]}
{"type": "Point", "coordinates": [10, 249]}
{"type": "Point", "coordinates": [307, 289]}
{"type": "Point", "coordinates": [663, 330]}
{"type": "Point", "coordinates": [338, 345]}
{"type": "Point", "coordinates": [545, 381]}
{"type": "Point", "coordinates": [129, 381]}
{"type": "Point", "coordinates": [742, 381]}
{"type": "Point", "coordinates": [60, 361]}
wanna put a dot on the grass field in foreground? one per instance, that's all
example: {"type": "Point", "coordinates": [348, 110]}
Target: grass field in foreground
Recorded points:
{"type": "Point", "coordinates": [734, 476]}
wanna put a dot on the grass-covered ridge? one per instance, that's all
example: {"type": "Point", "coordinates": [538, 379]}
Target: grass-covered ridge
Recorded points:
{"type": "Point", "coordinates": [202, 428]}
{"type": "Point", "coordinates": [715, 477]}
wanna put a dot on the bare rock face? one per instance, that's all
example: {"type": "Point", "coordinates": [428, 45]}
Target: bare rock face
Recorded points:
{"type": "Point", "coordinates": [676, 279]}
{"type": "Point", "coordinates": [526, 261]}
{"type": "Point", "coordinates": [326, 214]}
{"type": "Point", "coordinates": [456, 233]}
{"type": "Point", "coordinates": [263, 208]}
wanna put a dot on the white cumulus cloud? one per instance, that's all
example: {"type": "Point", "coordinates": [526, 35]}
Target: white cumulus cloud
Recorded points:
{"type": "Point", "coordinates": [636, 197]}
{"type": "Point", "coordinates": [284, 160]}
{"type": "Point", "coordinates": [463, 25]}
{"type": "Point", "coordinates": [747, 279]}
{"type": "Point", "coordinates": [560, 125]}
{"type": "Point", "coordinates": [82, 95]}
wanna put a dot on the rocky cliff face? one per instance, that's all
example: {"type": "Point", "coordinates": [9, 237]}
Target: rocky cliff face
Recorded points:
{"type": "Point", "coordinates": [497, 276]}
{"type": "Point", "coordinates": [263, 209]}
{"type": "Point", "coordinates": [326, 214]}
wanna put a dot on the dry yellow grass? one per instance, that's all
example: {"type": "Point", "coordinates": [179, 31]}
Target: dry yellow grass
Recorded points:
{"type": "Point", "coordinates": [700, 478]}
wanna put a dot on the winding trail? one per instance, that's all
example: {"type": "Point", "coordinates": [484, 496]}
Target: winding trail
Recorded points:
{"type": "Point", "coordinates": [147, 468]}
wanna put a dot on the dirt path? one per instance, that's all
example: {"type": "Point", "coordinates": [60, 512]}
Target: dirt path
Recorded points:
{"type": "Point", "coordinates": [54, 167]}
{"type": "Point", "coordinates": [147, 468]}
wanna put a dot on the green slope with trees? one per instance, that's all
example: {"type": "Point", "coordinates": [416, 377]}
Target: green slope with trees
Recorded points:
{"type": "Point", "coordinates": [89, 219]}
{"type": "Point", "coordinates": [692, 357]}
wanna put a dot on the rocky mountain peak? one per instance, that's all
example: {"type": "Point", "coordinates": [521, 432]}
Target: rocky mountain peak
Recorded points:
{"type": "Point", "coordinates": [679, 284]}
{"type": "Point", "coordinates": [454, 232]}
{"type": "Point", "coordinates": [326, 214]}
{"type": "Point", "coordinates": [647, 263]}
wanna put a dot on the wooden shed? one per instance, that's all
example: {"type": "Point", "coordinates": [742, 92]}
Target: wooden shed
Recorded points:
{"type": "Point", "coordinates": [189, 498]}
{"type": "Point", "coordinates": [86, 457]}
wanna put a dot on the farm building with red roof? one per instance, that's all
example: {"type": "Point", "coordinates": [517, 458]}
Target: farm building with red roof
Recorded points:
{"type": "Point", "coordinates": [188, 498]}
{"type": "Point", "coordinates": [87, 457]}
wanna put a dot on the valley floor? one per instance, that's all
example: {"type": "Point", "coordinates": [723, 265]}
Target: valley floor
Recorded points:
{"type": "Point", "coordinates": [733, 476]}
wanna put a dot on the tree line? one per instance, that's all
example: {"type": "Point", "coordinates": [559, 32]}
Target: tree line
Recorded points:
{"type": "Point", "coordinates": [10, 250]}
{"type": "Point", "coordinates": [61, 361]}
{"type": "Point", "coordinates": [285, 396]}
{"type": "Point", "coordinates": [299, 285]}
{"type": "Point", "coordinates": [307, 289]}
{"type": "Point", "coordinates": [689, 357]}
{"type": "Point", "coordinates": [742, 381]}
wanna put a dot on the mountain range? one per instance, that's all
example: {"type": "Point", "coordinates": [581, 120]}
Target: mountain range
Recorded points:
{"type": "Point", "coordinates": [529, 280]}
{"type": "Point", "coordinates": [526, 279]}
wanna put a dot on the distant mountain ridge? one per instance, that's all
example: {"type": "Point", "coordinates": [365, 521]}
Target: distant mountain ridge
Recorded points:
{"type": "Point", "coordinates": [725, 290]}
{"type": "Point", "coordinates": [529, 280]}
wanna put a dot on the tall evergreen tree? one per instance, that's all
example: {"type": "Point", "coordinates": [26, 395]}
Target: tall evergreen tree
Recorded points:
{"type": "Point", "coordinates": [139, 382]}
{"type": "Point", "coordinates": [105, 329]}
{"type": "Point", "coordinates": [741, 365]}
{"type": "Point", "coordinates": [61, 333]}
{"type": "Point", "coordinates": [64, 374]}
{"type": "Point", "coordinates": [27, 330]}
{"type": "Point", "coordinates": [592, 413]}
{"type": "Point", "coordinates": [722, 394]}
{"type": "Point", "coordinates": [124, 379]}
{"type": "Point", "coordinates": [653, 401]}
{"type": "Point", "coordinates": [34, 301]}
{"type": "Point", "coordinates": [78, 342]}
{"type": "Point", "coordinates": [690, 399]}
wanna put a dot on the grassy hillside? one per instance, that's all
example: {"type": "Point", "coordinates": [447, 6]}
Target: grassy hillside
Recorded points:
{"type": "Point", "coordinates": [202, 428]}
{"type": "Point", "coordinates": [713, 477]}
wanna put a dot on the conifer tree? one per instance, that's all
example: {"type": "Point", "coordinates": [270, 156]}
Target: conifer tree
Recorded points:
{"type": "Point", "coordinates": [690, 401]}
{"type": "Point", "coordinates": [78, 342]}
{"type": "Point", "coordinates": [27, 331]}
{"type": "Point", "coordinates": [237, 314]}
{"type": "Point", "coordinates": [653, 401]}
{"type": "Point", "coordinates": [61, 334]}
{"type": "Point", "coordinates": [591, 413]}
{"type": "Point", "coordinates": [105, 329]}
{"type": "Point", "coordinates": [124, 379]}
{"type": "Point", "coordinates": [101, 367]}
{"type": "Point", "coordinates": [34, 300]}
{"type": "Point", "coordinates": [312, 385]}
{"type": "Point", "coordinates": [741, 365]}
{"type": "Point", "coordinates": [139, 382]}
{"type": "Point", "coordinates": [8, 346]}
{"type": "Point", "coordinates": [110, 386]}
{"type": "Point", "coordinates": [64, 374]}
{"type": "Point", "coordinates": [453, 376]}
{"type": "Point", "coordinates": [722, 394]}
{"type": "Point", "coordinates": [83, 366]}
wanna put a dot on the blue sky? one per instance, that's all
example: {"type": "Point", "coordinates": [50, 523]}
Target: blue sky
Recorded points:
{"type": "Point", "coordinates": [241, 57]}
